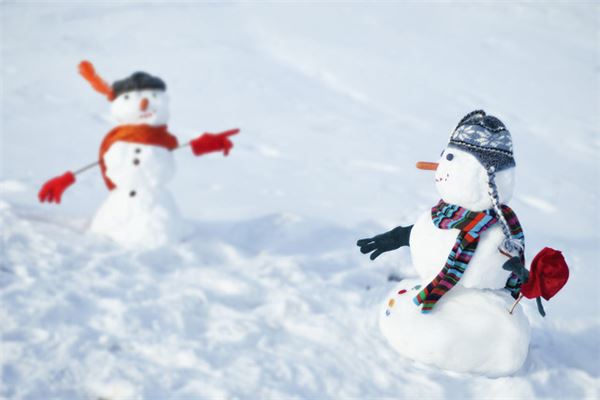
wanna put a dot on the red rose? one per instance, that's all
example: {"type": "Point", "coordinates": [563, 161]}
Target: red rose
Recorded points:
{"type": "Point", "coordinates": [548, 274]}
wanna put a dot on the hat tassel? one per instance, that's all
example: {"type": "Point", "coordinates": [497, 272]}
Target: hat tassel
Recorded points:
{"type": "Point", "coordinates": [86, 69]}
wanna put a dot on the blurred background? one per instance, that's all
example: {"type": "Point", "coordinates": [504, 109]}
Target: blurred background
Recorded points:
{"type": "Point", "coordinates": [336, 102]}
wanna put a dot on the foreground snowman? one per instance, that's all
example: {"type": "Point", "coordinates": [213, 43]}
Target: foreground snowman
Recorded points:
{"type": "Point", "coordinates": [136, 161]}
{"type": "Point", "coordinates": [455, 315]}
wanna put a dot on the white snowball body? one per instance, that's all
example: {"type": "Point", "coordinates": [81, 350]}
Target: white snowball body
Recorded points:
{"type": "Point", "coordinates": [470, 329]}
{"type": "Point", "coordinates": [140, 212]}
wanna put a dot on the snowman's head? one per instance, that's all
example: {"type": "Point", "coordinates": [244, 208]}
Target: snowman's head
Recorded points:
{"type": "Point", "coordinates": [140, 99]}
{"type": "Point", "coordinates": [461, 179]}
{"type": "Point", "coordinates": [137, 107]}
{"type": "Point", "coordinates": [476, 170]}
{"type": "Point", "coordinates": [477, 166]}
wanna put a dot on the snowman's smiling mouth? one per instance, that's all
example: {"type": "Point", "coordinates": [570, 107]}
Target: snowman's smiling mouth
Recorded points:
{"type": "Point", "coordinates": [147, 114]}
{"type": "Point", "coordinates": [443, 179]}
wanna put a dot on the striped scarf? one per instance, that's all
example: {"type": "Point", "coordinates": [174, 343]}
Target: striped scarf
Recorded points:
{"type": "Point", "coordinates": [471, 225]}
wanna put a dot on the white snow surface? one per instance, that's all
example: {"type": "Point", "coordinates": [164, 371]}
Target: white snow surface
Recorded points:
{"type": "Point", "coordinates": [269, 296]}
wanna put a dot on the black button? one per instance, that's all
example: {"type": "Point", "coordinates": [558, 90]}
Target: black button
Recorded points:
{"type": "Point", "coordinates": [138, 150]}
{"type": "Point", "coordinates": [132, 193]}
{"type": "Point", "coordinates": [136, 161]}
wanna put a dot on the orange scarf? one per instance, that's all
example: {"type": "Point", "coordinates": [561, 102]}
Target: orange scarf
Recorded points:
{"type": "Point", "coordinates": [143, 134]}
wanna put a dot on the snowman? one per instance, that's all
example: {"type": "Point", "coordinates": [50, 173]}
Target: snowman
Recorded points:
{"type": "Point", "coordinates": [455, 315]}
{"type": "Point", "coordinates": [136, 161]}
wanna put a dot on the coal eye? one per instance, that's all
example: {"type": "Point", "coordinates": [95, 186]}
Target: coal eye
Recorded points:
{"type": "Point", "coordinates": [449, 156]}
{"type": "Point", "coordinates": [154, 94]}
{"type": "Point", "coordinates": [126, 97]}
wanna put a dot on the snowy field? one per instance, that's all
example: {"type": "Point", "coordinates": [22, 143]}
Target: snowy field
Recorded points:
{"type": "Point", "coordinates": [269, 297]}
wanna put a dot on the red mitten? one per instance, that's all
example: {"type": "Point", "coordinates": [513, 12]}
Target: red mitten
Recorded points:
{"type": "Point", "coordinates": [210, 142]}
{"type": "Point", "coordinates": [54, 188]}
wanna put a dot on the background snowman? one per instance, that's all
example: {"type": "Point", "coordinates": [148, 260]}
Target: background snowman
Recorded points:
{"type": "Point", "coordinates": [136, 161]}
{"type": "Point", "coordinates": [455, 315]}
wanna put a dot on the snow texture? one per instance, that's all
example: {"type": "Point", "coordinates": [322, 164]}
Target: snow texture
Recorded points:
{"type": "Point", "coordinates": [268, 297]}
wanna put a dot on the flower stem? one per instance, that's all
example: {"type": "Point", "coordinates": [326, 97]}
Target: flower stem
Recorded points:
{"type": "Point", "coordinates": [515, 304]}
{"type": "Point", "coordinates": [538, 300]}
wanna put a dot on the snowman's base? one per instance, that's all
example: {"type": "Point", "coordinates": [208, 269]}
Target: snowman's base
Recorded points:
{"type": "Point", "coordinates": [146, 220]}
{"type": "Point", "coordinates": [469, 330]}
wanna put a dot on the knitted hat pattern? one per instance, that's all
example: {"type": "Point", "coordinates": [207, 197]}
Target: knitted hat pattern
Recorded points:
{"type": "Point", "coordinates": [485, 137]}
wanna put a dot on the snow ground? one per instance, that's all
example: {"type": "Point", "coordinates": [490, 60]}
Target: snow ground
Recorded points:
{"type": "Point", "coordinates": [270, 298]}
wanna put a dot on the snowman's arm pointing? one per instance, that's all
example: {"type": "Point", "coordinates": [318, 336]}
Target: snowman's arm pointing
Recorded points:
{"type": "Point", "coordinates": [53, 189]}
{"type": "Point", "coordinates": [392, 240]}
{"type": "Point", "coordinates": [210, 142]}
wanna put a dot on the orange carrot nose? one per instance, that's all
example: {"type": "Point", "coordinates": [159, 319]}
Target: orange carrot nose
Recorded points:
{"type": "Point", "coordinates": [432, 166]}
{"type": "Point", "coordinates": [144, 104]}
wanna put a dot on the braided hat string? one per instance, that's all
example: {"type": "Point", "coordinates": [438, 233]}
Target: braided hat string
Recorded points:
{"type": "Point", "coordinates": [510, 245]}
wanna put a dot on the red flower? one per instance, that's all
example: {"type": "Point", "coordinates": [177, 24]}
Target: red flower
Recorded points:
{"type": "Point", "coordinates": [548, 274]}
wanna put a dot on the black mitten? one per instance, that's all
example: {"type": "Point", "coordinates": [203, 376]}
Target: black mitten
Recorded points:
{"type": "Point", "coordinates": [388, 241]}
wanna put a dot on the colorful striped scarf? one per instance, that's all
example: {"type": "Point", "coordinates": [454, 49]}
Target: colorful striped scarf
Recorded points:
{"type": "Point", "coordinates": [471, 225]}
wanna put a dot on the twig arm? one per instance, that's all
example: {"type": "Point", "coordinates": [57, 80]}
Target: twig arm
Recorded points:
{"type": "Point", "coordinates": [83, 169]}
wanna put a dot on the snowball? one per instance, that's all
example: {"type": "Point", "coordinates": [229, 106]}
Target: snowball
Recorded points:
{"type": "Point", "coordinates": [147, 219]}
{"type": "Point", "coordinates": [469, 330]}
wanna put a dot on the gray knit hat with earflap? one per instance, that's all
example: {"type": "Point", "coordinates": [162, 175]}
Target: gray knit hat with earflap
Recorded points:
{"type": "Point", "coordinates": [486, 138]}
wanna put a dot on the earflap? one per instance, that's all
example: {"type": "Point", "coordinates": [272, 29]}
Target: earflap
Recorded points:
{"type": "Point", "coordinates": [86, 69]}
{"type": "Point", "coordinates": [510, 246]}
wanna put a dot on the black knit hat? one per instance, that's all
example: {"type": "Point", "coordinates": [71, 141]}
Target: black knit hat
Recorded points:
{"type": "Point", "coordinates": [138, 81]}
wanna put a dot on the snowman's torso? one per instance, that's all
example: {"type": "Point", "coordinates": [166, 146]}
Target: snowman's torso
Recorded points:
{"type": "Point", "coordinates": [139, 212]}
{"type": "Point", "coordinates": [430, 247]}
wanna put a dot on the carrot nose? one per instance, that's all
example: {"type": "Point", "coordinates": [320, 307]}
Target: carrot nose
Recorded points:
{"type": "Point", "coordinates": [144, 104]}
{"type": "Point", "coordinates": [432, 166]}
